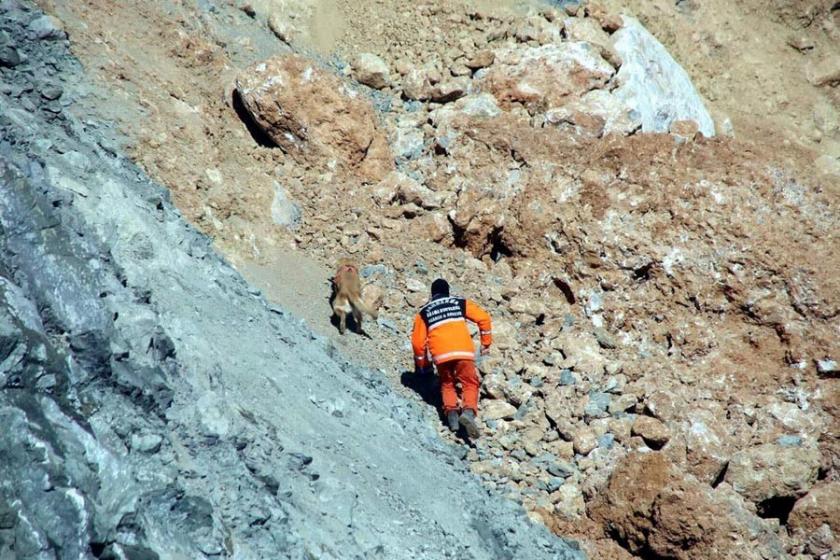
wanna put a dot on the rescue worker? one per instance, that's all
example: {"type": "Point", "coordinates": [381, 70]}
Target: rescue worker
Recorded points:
{"type": "Point", "coordinates": [440, 333]}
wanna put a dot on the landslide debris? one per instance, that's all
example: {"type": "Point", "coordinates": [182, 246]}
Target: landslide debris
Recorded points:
{"type": "Point", "coordinates": [661, 293]}
{"type": "Point", "coordinates": [155, 406]}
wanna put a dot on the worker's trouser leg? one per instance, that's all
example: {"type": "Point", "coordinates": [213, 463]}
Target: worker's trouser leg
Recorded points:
{"type": "Point", "coordinates": [464, 372]}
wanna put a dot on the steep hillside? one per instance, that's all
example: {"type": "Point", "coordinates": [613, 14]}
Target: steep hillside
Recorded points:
{"type": "Point", "coordinates": [664, 381]}
{"type": "Point", "coordinates": [155, 406]}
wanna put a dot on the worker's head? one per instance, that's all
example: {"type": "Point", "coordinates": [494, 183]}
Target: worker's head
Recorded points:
{"type": "Point", "coordinates": [440, 288]}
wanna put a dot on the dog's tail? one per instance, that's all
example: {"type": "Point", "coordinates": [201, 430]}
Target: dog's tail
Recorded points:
{"type": "Point", "coordinates": [359, 303]}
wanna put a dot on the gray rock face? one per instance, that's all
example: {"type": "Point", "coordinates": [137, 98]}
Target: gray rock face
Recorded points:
{"type": "Point", "coordinates": [155, 407]}
{"type": "Point", "coordinates": [653, 84]}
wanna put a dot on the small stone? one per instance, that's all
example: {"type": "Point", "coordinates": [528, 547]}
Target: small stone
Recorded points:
{"type": "Point", "coordinates": [371, 70]}
{"type": "Point", "coordinates": [553, 484]}
{"type": "Point", "coordinates": [46, 27]}
{"type": "Point", "coordinates": [827, 366]}
{"type": "Point", "coordinates": [661, 405]}
{"type": "Point", "coordinates": [622, 403]}
{"type": "Point", "coordinates": [585, 441]}
{"type": "Point", "coordinates": [148, 443]}
{"type": "Point", "coordinates": [9, 57]}
{"type": "Point", "coordinates": [801, 43]}
{"type": "Point", "coordinates": [653, 431]}
{"type": "Point", "coordinates": [281, 28]}
{"type": "Point", "coordinates": [606, 441]}
{"type": "Point", "coordinates": [415, 85]}
{"type": "Point", "coordinates": [597, 405]}
{"type": "Point", "coordinates": [450, 90]}
{"type": "Point", "coordinates": [497, 410]}
{"type": "Point", "coordinates": [46, 382]}
{"type": "Point", "coordinates": [567, 377]}
{"type": "Point", "coordinates": [605, 340]}
{"type": "Point", "coordinates": [284, 211]}
{"type": "Point", "coordinates": [819, 506]}
{"type": "Point", "coordinates": [789, 441]}
{"type": "Point", "coordinates": [414, 285]}
{"type": "Point", "coordinates": [825, 72]}
{"type": "Point", "coordinates": [569, 501]}
{"type": "Point", "coordinates": [481, 59]}
{"type": "Point", "coordinates": [685, 130]}
{"type": "Point", "coordinates": [615, 384]}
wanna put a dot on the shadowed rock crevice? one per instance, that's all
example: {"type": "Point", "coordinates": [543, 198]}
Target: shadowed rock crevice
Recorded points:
{"type": "Point", "coordinates": [255, 130]}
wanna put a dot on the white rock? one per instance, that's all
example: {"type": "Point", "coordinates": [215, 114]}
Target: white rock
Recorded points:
{"type": "Point", "coordinates": [497, 410]}
{"type": "Point", "coordinates": [371, 70]}
{"type": "Point", "coordinates": [618, 117]}
{"type": "Point", "coordinates": [651, 82]}
{"type": "Point", "coordinates": [284, 211]}
{"type": "Point", "coordinates": [569, 501]}
{"type": "Point", "coordinates": [414, 285]}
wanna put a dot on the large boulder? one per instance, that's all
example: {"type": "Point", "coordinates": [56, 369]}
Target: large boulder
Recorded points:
{"type": "Point", "coordinates": [548, 76]}
{"type": "Point", "coordinates": [820, 505]}
{"type": "Point", "coordinates": [655, 508]}
{"type": "Point", "coordinates": [771, 471]}
{"type": "Point", "coordinates": [312, 115]}
{"type": "Point", "coordinates": [652, 83]}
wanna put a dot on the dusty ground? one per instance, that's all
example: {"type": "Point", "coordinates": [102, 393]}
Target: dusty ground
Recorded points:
{"type": "Point", "coordinates": [754, 290]}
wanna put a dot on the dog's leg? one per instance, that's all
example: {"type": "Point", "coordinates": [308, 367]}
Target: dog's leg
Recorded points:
{"type": "Point", "coordinates": [357, 317]}
{"type": "Point", "coordinates": [342, 320]}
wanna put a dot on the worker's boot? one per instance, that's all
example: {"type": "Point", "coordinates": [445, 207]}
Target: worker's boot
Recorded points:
{"type": "Point", "coordinates": [470, 424]}
{"type": "Point", "coordinates": [452, 420]}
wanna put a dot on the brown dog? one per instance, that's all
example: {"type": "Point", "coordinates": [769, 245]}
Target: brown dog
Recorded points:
{"type": "Point", "coordinates": [347, 296]}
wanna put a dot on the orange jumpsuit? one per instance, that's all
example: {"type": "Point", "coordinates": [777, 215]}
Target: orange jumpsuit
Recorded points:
{"type": "Point", "coordinates": [440, 330]}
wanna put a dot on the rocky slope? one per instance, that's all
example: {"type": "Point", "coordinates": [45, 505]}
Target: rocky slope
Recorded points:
{"type": "Point", "coordinates": [664, 381]}
{"type": "Point", "coordinates": [155, 406]}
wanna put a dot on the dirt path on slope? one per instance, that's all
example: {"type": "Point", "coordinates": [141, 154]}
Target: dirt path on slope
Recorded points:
{"type": "Point", "coordinates": [301, 285]}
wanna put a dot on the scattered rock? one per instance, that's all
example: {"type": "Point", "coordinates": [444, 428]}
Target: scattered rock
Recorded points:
{"type": "Point", "coordinates": [146, 443]}
{"type": "Point", "coordinates": [597, 405]}
{"type": "Point", "coordinates": [802, 43]}
{"type": "Point", "coordinates": [652, 506]}
{"type": "Point", "coordinates": [590, 30]}
{"type": "Point", "coordinates": [568, 501]}
{"type": "Point", "coordinates": [284, 211]}
{"type": "Point", "coordinates": [497, 410]}
{"type": "Point", "coordinates": [654, 432]}
{"type": "Point", "coordinates": [46, 27]}
{"type": "Point", "coordinates": [371, 70]}
{"type": "Point", "coordinates": [416, 85]}
{"type": "Point", "coordinates": [9, 57]}
{"type": "Point", "coordinates": [449, 90]}
{"type": "Point", "coordinates": [481, 59]}
{"type": "Point", "coordinates": [821, 505]}
{"type": "Point", "coordinates": [827, 367]}
{"type": "Point", "coordinates": [585, 440]}
{"type": "Point", "coordinates": [282, 28]}
{"type": "Point", "coordinates": [772, 471]}
{"type": "Point", "coordinates": [313, 116]}
{"type": "Point", "coordinates": [546, 77]}
{"type": "Point", "coordinates": [824, 71]}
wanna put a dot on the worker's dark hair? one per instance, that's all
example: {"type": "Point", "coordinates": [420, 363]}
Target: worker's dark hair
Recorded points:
{"type": "Point", "coordinates": [440, 287]}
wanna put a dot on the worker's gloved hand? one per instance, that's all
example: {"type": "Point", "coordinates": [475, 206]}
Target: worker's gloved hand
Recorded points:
{"type": "Point", "coordinates": [485, 350]}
